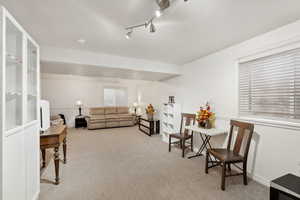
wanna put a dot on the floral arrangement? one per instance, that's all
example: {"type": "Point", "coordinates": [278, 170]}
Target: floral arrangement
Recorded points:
{"type": "Point", "coordinates": [150, 109]}
{"type": "Point", "coordinates": [205, 117]}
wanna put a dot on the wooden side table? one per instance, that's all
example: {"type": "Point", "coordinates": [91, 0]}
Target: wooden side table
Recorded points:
{"type": "Point", "coordinates": [80, 121]}
{"type": "Point", "coordinates": [152, 128]}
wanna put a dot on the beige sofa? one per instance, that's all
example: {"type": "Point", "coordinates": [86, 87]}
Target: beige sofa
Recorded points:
{"type": "Point", "coordinates": [108, 117]}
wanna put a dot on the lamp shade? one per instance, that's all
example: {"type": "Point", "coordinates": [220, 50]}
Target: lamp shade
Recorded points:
{"type": "Point", "coordinates": [78, 103]}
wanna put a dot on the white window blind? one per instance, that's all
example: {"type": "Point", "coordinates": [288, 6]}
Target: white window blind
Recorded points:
{"type": "Point", "coordinates": [270, 87]}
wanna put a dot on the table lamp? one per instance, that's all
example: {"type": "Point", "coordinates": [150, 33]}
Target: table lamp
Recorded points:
{"type": "Point", "coordinates": [79, 104]}
{"type": "Point", "coordinates": [135, 105]}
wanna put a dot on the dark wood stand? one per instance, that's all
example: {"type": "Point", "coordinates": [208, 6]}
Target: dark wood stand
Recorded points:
{"type": "Point", "coordinates": [285, 188]}
{"type": "Point", "coordinates": [80, 121]}
{"type": "Point", "coordinates": [152, 128]}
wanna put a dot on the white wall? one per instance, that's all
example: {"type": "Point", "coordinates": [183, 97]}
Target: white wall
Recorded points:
{"type": "Point", "coordinates": [62, 91]}
{"type": "Point", "coordinates": [275, 151]}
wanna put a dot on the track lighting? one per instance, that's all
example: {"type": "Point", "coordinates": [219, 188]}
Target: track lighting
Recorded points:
{"type": "Point", "coordinates": [128, 35]}
{"type": "Point", "coordinates": [158, 13]}
{"type": "Point", "coordinates": [163, 5]}
{"type": "Point", "coordinates": [152, 28]}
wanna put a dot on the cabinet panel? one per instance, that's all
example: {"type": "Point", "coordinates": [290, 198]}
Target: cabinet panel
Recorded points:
{"type": "Point", "coordinates": [32, 136]}
{"type": "Point", "coordinates": [14, 76]}
{"type": "Point", "coordinates": [31, 81]}
{"type": "Point", "coordinates": [14, 167]}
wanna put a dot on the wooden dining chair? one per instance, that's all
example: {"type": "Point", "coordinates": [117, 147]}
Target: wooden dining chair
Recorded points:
{"type": "Point", "coordinates": [183, 136]}
{"type": "Point", "coordinates": [228, 156]}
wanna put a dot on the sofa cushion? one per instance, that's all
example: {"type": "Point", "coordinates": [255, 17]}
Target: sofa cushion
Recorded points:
{"type": "Point", "coordinates": [110, 110]}
{"type": "Point", "coordinates": [97, 111]}
{"type": "Point", "coordinates": [126, 117]}
{"type": "Point", "coordinates": [97, 117]}
{"type": "Point", "coordinates": [126, 123]}
{"type": "Point", "coordinates": [111, 116]}
{"type": "Point", "coordinates": [112, 124]}
{"type": "Point", "coordinates": [122, 110]}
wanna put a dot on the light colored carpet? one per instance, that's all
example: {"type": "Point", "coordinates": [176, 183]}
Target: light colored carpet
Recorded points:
{"type": "Point", "coordinates": [126, 164]}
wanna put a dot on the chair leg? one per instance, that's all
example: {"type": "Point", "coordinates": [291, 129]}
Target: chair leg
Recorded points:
{"type": "Point", "coordinates": [192, 143]}
{"type": "Point", "coordinates": [223, 176]}
{"type": "Point", "coordinates": [183, 147]}
{"type": "Point", "coordinates": [229, 167]}
{"type": "Point", "coordinates": [169, 143]}
{"type": "Point", "coordinates": [206, 162]}
{"type": "Point", "coordinates": [245, 173]}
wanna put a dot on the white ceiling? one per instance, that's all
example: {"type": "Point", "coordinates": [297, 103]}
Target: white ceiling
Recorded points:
{"type": "Point", "coordinates": [96, 71]}
{"type": "Point", "coordinates": [188, 31]}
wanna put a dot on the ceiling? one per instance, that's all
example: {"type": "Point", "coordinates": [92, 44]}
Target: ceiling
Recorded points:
{"type": "Point", "coordinates": [96, 71]}
{"type": "Point", "coordinates": [186, 32]}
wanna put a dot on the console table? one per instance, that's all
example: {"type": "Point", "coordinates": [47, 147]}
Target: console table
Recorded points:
{"type": "Point", "coordinates": [285, 188]}
{"type": "Point", "coordinates": [53, 138]}
{"type": "Point", "coordinates": [152, 125]}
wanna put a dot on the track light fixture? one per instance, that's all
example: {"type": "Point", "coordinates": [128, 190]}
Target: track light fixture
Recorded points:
{"type": "Point", "coordinates": [158, 13]}
{"type": "Point", "coordinates": [128, 34]}
{"type": "Point", "coordinates": [152, 27]}
{"type": "Point", "coordinates": [163, 5]}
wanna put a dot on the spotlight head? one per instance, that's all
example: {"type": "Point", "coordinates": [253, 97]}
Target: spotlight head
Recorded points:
{"type": "Point", "coordinates": [128, 35]}
{"type": "Point", "coordinates": [158, 13]}
{"type": "Point", "coordinates": [152, 28]}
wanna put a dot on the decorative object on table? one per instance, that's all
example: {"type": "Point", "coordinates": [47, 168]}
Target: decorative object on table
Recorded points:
{"type": "Point", "coordinates": [285, 187]}
{"type": "Point", "coordinates": [56, 120]}
{"type": "Point", "coordinates": [171, 99]}
{"type": "Point", "coordinates": [80, 121]}
{"type": "Point", "coordinates": [79, 105]}
{"type": "Point", "coordinates": [227, 157]}
{"type": "Point", "coordinates": [150, 111]}
{"type": "Point", "coordinates": [184, 134]}
{"type": "Point", "coordinates": [135, 106]}
{"type": "Point", "coordinates": [205, 117]}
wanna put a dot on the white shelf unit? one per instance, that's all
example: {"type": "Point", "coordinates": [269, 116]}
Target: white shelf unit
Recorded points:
{"type": "Point", "coordinates": [170, 120]}
{"type": "Point", "coordinates": [19, 121]}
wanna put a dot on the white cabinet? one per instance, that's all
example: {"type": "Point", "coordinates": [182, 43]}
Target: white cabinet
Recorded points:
{"type": "Point", "coordinates": [170, 120]}
{"type": "Point", "coordinates": [19, 141]}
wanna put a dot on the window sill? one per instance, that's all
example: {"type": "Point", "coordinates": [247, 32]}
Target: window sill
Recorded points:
{"type": "Point", "coordinates": [271, 123]}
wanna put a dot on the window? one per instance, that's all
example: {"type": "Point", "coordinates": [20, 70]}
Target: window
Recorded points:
{"type": "Point", "coordinates": [269, 87]}
{"type": "Point", "coordinates": [115, 97]}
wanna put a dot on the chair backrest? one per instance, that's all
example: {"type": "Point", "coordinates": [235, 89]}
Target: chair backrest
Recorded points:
{"type": "Point", "coordinates": [186, 120]}
{"type": "Point", "coordinates": [244, 136]}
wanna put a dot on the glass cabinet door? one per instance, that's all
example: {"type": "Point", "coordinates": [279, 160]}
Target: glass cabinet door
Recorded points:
{"type": "Point", "coordinates": [14, 78]}
{"type": "Point", "coordinates": [31, 81]}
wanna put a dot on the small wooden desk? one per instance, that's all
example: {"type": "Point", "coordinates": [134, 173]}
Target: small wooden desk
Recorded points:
{"type": "Point", "coordinates": [205, 135]}
{"type": "Point", "coordinates": [52, 138]}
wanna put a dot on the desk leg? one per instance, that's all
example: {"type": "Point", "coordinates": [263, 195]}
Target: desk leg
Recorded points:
{"type": "Point", "coordinates": [204, 143]}
{"type": "Point", "coordinates": [44, 158]}
{"type": "Point", "coordinates": [56, 163]}
{"type": "Point", "coordinates": [65, 150]}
